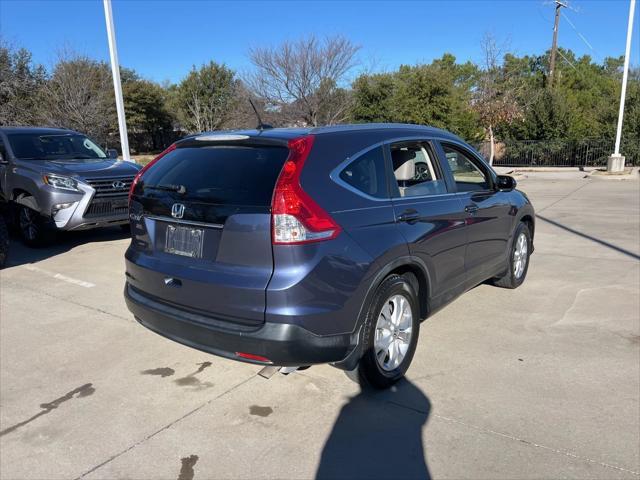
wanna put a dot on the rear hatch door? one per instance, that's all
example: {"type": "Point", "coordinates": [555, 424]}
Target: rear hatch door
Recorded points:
{"type": "Point", "coordinates": [201, 229]}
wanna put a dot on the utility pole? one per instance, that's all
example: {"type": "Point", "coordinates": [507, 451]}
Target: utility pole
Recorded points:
{"type": "Point", "coordinates": [554, 45]}
{"type": "Point", "coordinates": [117, 86]}
{"type": "Point", "coordinates": [616, 161]}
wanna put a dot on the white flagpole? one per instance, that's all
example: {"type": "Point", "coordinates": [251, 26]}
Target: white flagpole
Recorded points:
{"type": "Point", "coordinates": [616, 161]}
{"type": "Point", "coordinates": [117, 86]}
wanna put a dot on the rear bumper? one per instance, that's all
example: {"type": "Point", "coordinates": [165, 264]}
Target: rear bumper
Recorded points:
{"type": "Point", "coordinates": [284, 344]}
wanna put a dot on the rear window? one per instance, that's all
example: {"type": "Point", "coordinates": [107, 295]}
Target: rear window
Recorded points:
{"type": "Point", "coordinates": [234, 175]}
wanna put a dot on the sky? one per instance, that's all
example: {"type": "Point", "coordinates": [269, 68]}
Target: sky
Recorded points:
{"type": "Point", "coordinates": [163, 39]}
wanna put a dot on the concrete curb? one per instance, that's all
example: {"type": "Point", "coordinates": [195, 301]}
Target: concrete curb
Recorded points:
{"type": "Point", "coordinates": [591, 172]}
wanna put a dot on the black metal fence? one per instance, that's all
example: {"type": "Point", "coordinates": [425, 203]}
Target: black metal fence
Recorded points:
{"type": "Point", "coordinates": [556, 153]}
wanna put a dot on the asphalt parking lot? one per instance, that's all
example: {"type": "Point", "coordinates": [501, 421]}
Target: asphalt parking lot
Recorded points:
{"type": "Point", "coordinates": [539, 382]}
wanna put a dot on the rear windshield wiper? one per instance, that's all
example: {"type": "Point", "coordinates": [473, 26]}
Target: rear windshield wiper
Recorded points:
{"type": "Point", "coordinates": [181, 189]}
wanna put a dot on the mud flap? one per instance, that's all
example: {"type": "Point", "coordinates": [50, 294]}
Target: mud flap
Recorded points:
{"type": "Point", "coordinates": [351, 361]}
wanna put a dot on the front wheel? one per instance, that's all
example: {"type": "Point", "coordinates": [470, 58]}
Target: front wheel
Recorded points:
{"type": "Point", "coordinates": [518, 264]}
{"type": "Point", "coordinates": [391, 333]}
{"type": "Point", "coordinates": [33, 227]}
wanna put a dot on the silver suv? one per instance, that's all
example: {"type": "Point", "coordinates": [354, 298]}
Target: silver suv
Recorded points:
{"type": "Point", "coordinates": [61, 180]}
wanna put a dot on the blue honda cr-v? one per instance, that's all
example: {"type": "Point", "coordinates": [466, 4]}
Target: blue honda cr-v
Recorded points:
{"type": "Point", "coordinates": [292, 247]}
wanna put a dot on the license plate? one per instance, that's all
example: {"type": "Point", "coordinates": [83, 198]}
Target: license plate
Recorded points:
{"type": "Point", "coordinates": [119, 203]}
{"type": "Point", "coordinates": [184, 241]}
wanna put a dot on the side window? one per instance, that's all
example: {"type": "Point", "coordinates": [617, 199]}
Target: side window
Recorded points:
{"type": "Point", "coordinates": [3, 151]}
{"type": "Point", "coordinates": [367, 174]}
{"type": "Point", "coordinates": [416, 170]}
{"type": "Point", "coordinates": [467, 173]}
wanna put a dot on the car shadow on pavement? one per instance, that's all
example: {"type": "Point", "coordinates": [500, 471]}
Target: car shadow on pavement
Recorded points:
{"type": "Point", "coordinates": [378, 434]}
{"type": "Point", "coordinates": [19, 254]}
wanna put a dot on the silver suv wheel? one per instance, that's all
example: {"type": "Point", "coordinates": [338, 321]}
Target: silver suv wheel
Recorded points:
{"type": "Point", "coordinates": [393, 332]}
{"type": "Point", "coordinates": [28, 223]}
{"type": "Point", "coordinates": [520, 255]}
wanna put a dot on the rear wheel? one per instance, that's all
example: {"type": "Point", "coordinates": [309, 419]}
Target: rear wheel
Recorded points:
{"type": "Point", "coordinates": [391, 333]}
{"type": "Point", "coordinates": [34, 228]}
{"type": "Point", "coordinates": [518, 264]}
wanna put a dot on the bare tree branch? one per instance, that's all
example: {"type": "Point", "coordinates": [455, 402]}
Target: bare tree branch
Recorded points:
{"type": "Point", "coordinates": [303, 80]}
{"type": "Point", "coordinates": [495, 98]}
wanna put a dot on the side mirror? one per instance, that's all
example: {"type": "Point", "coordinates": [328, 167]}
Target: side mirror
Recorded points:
{"type": "Point", "coordinates": [112, 153]}
{"type": "Point", "coordinates": [506, 183]}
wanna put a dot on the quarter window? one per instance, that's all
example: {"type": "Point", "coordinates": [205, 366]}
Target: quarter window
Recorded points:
{"type": "Point", "coordinates": [416, 170]}
{"type": "Point", "coordinates": [367, 174]}
{"type": "Point", "coordinates": [467, 173]}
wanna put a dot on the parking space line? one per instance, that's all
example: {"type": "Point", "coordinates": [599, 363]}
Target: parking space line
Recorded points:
{"type": "Point", "coordinates": [71, 301]}
{"type": "Point", "coordinates": [59, 276]}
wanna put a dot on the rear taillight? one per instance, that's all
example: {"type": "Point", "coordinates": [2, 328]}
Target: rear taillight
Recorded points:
{"type": "Point", "coordinates": [296, 218]}
{"type": "Point", "coordinates": [136, 179]}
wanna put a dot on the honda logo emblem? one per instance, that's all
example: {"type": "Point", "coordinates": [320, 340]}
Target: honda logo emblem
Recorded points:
{"type": "Point", "coordinates": [177, 210]}
{"type": "Point", "coordinates": [118, 184]}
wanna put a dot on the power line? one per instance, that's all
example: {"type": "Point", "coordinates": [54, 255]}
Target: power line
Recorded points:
{"type": "Point", "coordinates": [578, 32]}
{"type": "Point", "coordinates": [567, 60]}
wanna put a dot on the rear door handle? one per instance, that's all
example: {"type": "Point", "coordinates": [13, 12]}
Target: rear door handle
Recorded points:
{"type": "Point", "coordinates": [471, 209]}
{"type": "Point", "coordinates": [409, 216]}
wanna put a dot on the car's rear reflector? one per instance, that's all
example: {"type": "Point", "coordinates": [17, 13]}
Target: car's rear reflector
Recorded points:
{"type": "Point", "coordinates": [251, 356]}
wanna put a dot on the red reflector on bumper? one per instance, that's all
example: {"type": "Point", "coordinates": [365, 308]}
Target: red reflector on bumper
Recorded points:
{"type": "Point", "coordinates": [251, 356]}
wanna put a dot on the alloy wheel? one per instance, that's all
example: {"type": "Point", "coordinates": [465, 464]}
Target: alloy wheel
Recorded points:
{"type": "Point", "coordinates": [393, 332]}
{"type": "Point", "coordinates": [520, 256]}
{"type": "Point", "coordinates": [28, 225]}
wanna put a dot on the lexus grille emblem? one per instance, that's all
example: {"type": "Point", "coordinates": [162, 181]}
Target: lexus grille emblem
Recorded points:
{"type": "Point", "coordinates": [118, 184]}
{"type": "Point", "coordinates": [177, 210]}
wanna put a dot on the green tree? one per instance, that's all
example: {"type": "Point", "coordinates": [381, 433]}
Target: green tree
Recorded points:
{"type": "Point", "coordinates": [21, 83]}
{"type": "Point", "coordinates": [630, 146]}
{"type": "Point", "coordinates": [149, 121]}
{"type": "Point", "coordinates": [206, 98]}
{"type": "Point", "coordinates": [373, 98]}
{"type": "Point", "coordinates": [437, 94]}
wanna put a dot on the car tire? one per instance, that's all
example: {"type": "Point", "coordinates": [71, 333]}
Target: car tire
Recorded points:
{"type": "Point", "coordinates": [392, 318]}
{"type": "Point", "coordinates": [34, 229]}
{"type": "Point", "coordinates": [126, 227]}
{"type": "Point", "coordinates": [520, 252]}
{"type": "Point", "coordinates": [4, 241]}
